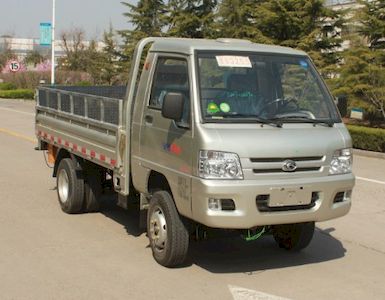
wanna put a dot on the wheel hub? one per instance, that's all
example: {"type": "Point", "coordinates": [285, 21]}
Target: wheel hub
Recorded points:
{"type": "Point", "coordinates": [158, 228]}
{"type": "Point", "coordinates": [63, 185]}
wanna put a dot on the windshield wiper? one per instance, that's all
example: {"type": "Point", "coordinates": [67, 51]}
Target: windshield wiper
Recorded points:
{"type": "Point", "coordinates": [246, 118]}
{"type": "Point", "coordinates": [303, 119]}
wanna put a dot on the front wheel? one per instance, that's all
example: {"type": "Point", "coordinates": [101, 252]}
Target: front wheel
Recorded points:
{"type": "Point", "coordinates": [293, 237]}
{"type": "Point", "coordinates": [169, 238]}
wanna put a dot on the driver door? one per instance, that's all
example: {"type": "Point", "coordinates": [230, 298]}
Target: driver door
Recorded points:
{"type": "Point", "coordinates": [165, 145]}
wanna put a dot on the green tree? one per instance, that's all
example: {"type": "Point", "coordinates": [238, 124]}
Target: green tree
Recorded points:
{"type": "Point", "coordinates": [305, 24]}
{"type": "Point", "coordinates": [75, 58]}
{"type": "Point", "coordinates": [110, 56]}
{"type": "Point", "coordinates": [93, 62]}
{"type": "Point", "coordinates": [5, 52]}
{"type": "Point", "coordinates": [190, 18]}
{"type": "Point", "coordinates": [81, 55]}
{"type": "Point", "coordinates": [362, 79]}
{"type": "Point", "coordinates": [206, 13]}
{"type": "Point", "coordinates": [33, 58]}
{"type": "Point", "coordinates": [5, 56]}
{"type": "Point", "coordinates": [362, 74]}
{"type": "Point", "coordinates": [372, 22]}
{"type": "Point", "coordinates": [236, 19]}
{"type": "Point", "coordinates": [146, 18]}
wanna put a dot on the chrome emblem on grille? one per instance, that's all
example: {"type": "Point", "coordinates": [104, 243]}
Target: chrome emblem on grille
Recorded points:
{"type": "Point", "coordinates": [289, 166]}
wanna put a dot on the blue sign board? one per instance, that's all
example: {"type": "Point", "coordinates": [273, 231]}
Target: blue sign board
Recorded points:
{"type": "Point", "coordinates": [45, 34]}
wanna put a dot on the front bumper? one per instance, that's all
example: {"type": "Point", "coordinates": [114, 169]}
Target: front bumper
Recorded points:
{"type": "Point", "coordinates": [244, 193]}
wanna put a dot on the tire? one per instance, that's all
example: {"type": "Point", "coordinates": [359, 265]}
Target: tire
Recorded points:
{"type": "Point", "coordinates": [70, 187]}
{"type": "Point", "coordinates": [92, 189]}
{"type": "Point", "coordinates": [169, 238]}
{"type": "Point", "coordinates": [293, 237]}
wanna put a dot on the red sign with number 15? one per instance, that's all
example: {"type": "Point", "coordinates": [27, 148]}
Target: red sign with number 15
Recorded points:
{"type": "Point", "coordinates": [14, 66]}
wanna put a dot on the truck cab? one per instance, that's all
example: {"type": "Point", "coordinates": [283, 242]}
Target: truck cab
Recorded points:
{"type": "Point", "coordinates": [259, 140]}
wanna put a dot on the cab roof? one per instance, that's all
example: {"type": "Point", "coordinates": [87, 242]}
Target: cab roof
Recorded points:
{"type": "Point", "coordinates": [188, 46]}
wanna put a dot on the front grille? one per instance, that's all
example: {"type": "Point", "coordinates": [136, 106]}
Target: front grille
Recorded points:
{"type": "Point", "coordinates": [262, 202]}
{"type": "Point", "coordinates": [276, 164]}
{"type": "Point", "coordinates": [279, 159]}
{"type": "Point", "coordinates": [279, 170]}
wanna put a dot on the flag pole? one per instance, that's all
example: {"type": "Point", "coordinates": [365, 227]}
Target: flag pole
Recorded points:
{"type": "Point", "coordinates": [53, 44]}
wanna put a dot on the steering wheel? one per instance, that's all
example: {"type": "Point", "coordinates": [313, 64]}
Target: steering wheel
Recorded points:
{"type": "Point", "coordinates": [283, 101]}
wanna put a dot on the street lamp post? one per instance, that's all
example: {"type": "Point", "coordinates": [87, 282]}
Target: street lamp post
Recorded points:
{"type": "Point", "coordinates": [53, 44]}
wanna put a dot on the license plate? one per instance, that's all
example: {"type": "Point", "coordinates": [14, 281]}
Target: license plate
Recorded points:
{"type": "Point", "coordinates": [289, 196]}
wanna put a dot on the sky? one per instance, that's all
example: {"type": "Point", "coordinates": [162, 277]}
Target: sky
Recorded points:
{"type": "Point", "coordinates": [21, 18]}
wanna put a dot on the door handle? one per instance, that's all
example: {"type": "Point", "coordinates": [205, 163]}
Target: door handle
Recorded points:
{"type": "Point", "coordinates": [149, 119]}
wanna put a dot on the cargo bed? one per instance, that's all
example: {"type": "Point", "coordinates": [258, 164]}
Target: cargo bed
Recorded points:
{"type": "Point", "coordinates": [84, 120]}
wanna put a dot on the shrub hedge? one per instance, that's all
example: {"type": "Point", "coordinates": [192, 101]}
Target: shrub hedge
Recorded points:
{"type": "Point", "coordinates": [365, 138]}
{"type": "Point", "coordinates": [6, 86]}
{"type": "Point", "coordinates": [18, 94]}
{"type": "Point", "coordinates": [31, 79]}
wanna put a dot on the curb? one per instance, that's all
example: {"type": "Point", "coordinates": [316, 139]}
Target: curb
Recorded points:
{"type": "Point", "coordinates": [369, 153]}
{"type": "Point", "coordinates": [18, 99]}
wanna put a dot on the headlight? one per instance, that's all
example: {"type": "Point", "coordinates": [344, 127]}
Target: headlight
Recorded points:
{"type": "Point", "coordinates": [342, 162]}
{"type": "Point", "coordinates": [219, 165]}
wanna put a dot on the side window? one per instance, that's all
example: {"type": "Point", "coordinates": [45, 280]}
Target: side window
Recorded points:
{"type": "Point", "coordinates": [171, 75]}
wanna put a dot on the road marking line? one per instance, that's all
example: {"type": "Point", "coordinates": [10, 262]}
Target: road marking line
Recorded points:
{"type": "Point", "coordinates": [18, 135]}
{"type": "Point", "coordinates": [17, 111]}
{"type": "Point", "coordinates": [371, 180]}
{"type": "Point", "coordinates": [240, 293]}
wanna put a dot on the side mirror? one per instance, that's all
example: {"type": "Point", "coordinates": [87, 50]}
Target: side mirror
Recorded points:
{"type": "Point", "coordinates": [172, 107]}
{"type": "Point", "coordinates": [342, 105]}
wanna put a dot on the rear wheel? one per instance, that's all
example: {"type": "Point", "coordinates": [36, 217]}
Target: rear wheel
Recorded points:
{"type": "Point", "coordinates": [70, 187]}
{"type": "Point", "coordinates": [293, 237]}
{"type": "Point", "coordinates": [169, 238]}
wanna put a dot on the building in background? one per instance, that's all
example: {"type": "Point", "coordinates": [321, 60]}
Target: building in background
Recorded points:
{"type": "Point", "coordinates": [350, 7]}
{"type": "Point", "coordinates": [341, 3]}
{"type": "Point", "coordinates": [20, 47]}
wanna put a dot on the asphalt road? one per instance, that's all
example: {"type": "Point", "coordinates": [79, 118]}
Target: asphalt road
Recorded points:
{"type": "Point", "coordinates": [46, 254]}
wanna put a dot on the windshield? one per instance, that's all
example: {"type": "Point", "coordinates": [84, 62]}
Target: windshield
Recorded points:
{"type": "Point", "coordinates": [239, 87]}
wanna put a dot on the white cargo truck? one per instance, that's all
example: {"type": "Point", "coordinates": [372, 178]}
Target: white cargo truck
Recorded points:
{"type": "Point", "coordinates": [217, 133]}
